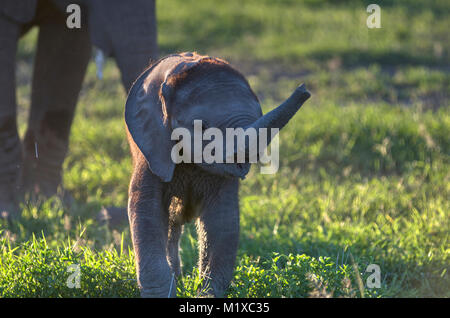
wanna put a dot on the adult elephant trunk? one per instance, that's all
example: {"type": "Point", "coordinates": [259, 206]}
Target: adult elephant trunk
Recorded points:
{"type": "Point", "coordinates": [275, 119]}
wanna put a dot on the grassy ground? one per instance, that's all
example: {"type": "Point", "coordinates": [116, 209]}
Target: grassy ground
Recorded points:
{"type": "Point", "coordinates": [364, 176]}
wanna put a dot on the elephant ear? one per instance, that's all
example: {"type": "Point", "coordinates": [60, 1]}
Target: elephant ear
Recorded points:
{"type": "Point", "coordinates": [147, 125]}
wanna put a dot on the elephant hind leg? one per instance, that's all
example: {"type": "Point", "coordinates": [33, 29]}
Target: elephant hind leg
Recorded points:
{"type": "Point", "coordinates": [10, 164]}
{"type": "Point", "coordinates": [10, 146]}
{"type": "Point", "coordinates": [60, 65]}
{"type": "Point", "coordinates": [175, 228]}
{"type": "Point", "coordinates": [173, 247]}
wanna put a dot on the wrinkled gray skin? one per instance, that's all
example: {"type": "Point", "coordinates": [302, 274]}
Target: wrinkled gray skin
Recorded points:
{"type": "Point", "coordinates": [125, 30]}
{"type": "Point", "coordinates": [163, 195]}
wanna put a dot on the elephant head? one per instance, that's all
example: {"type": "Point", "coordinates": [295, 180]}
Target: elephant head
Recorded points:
{"type": "Point", "coordinates": [183, 88]}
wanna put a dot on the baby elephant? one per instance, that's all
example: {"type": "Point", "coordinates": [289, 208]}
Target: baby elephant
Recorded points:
{"type": "Point", "coordinates": [174, 95]}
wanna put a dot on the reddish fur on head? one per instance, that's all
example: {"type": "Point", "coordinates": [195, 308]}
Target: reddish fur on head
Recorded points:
{"type": "Point", "coordinates": [196, 68]}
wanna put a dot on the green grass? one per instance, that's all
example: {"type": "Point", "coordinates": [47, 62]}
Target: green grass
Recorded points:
{"type": "Point", "coordinates": [364, 172]}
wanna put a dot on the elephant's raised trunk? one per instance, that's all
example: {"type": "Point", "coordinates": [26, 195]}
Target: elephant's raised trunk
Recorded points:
{"type": "Point", "coordinates": [277, 118]}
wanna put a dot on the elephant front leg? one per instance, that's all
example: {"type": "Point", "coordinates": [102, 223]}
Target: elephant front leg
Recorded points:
{"type": "Point", "coordinates": [218, 233]}
{"type": "Point", "coordinates": [149, 232]}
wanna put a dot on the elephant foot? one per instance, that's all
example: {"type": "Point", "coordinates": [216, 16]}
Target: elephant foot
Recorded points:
{"type": "Point", "coordinates": [166, 291]}
{"type": "Point", "coordinates": [9, 207]}
{"type": "Point", "coordinates": [8, 210]}
{"type": "Point", "coordinates": [34, 189]}
{"type": "Point", "coordinates": [36, 194]}
{"type": "Point", "coordinates": [114, 217]}
{"type": "Point", "coordinates": [40, 183]}
{"type": "Point", "coordinates": [10, 166]}
{"type": "Point", "coordinates": [44, 153]}
{"type": "Point", "coordinates": [37, 183]}
{"type": "Point", "coordinates": [152, 294]}
{"type": "Point", "coordinates": [8, 203]}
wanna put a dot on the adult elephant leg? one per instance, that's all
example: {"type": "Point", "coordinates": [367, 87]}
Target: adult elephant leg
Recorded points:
{"type": "Point", "coordinates": [218, 233]}
{"type": "Point", "coordinates": [10, 146]}
{"type": "Point", "coordinates": [149, 232]}
{"type": "Point", "coordinates": [60, 64]}
{"type": "Point", "coordinates": [132, 64]}
{"type": "Point", "coordinates": [132, 31]}
{"type": "Point", "coordinates": [127, 31]}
